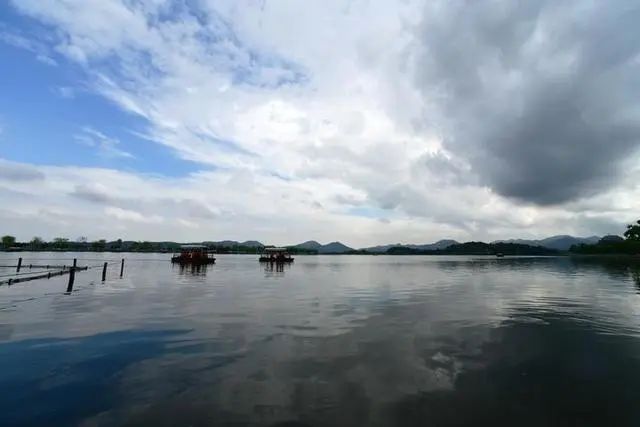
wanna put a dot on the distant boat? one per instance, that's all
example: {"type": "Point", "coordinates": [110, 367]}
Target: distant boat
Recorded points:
{"type": "Point", "coordinates": [500, 255]}
{"type": "Point", "coordinates": [194, 255]}
{"type": "Point", "coordinates": [275, 255]}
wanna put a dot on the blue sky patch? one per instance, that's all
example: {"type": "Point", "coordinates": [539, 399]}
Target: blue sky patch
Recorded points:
{"type": "Point", "coordinates": [45, 106]}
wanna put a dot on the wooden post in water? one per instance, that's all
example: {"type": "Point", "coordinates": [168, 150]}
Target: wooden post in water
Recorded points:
{"type": "Point", "coordinates": [104, 272]}
{"type": "Point", "coordinates": [72, 277]}
{"type": "Point", "coordinates": [19, 265]}
{"type": "Point", "coordinates": [122, 268]}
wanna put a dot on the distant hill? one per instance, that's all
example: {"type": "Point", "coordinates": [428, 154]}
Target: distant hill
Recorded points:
{"type": "Point", "coordinates": [334, 248]}
{"type": "Point", "coordinates": [440, 244]}
{"type": "Point", "coordinates": [560, 243]}
{"type": "Point", "coordinates": [330, 248]}
{"type": "Point", "coordinates": [382, 248]}
{"type": "Point", "coordinates": [610, 245]}
{"type": "Point", "coordinates": [611, 238]}
{"type": "Point", "coordinates": [233, 243]}
{"type": "Point", "coordinates": [311, 245]}
{"type": "Point", "coordinates": [252, 244]}
{"type": "Point", "coordinates": [477, 248]}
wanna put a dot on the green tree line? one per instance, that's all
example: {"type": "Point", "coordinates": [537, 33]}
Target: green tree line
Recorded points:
{"type": "Point", "coordinates": [612, 245]}
{"type": "Point", "coordinates": [83, 244]}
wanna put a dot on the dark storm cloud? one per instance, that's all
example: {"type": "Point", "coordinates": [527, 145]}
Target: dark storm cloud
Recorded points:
{"type": "Point", "coordinates": [541, 98]}
{"type": "Point", "coordinates": [443, 170]}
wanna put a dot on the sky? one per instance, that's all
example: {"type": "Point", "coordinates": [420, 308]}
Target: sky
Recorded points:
{"type": "Point", "coordinates": [362, 121]}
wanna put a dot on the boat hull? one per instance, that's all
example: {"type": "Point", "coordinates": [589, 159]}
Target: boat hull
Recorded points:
{"type": "Point", "coordinates": [275, 260]}
{"type": "Point", "coordinates": [192, 261]}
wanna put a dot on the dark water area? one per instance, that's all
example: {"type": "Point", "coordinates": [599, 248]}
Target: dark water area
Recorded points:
{"type": "Point", "coordinates": [327, 341]}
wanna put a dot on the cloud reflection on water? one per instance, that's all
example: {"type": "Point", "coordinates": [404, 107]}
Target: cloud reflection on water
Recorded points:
{"type": "Point", "coordinates": [341, 341]}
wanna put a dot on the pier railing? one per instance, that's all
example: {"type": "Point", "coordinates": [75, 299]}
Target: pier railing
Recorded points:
{"type": "Point", "coordinates": [47, 271]}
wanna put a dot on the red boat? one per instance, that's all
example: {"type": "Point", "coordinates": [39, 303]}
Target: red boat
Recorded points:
{"type": "Point", "coordinates": [194, 254]}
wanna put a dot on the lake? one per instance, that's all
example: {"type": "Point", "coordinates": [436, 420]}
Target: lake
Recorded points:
{"type": "Point", "coordinates": [327, 341]}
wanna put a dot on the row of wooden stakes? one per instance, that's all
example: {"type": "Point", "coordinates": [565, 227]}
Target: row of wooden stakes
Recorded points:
{"type": "Point", "coordinates": [64, 269]}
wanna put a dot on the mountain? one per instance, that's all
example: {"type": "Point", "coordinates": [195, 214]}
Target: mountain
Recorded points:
{"type": "Point", "coordinates": [481, 248]}
{"type": "Point", "coordinates": [563, 243]}
{"type": "Point", "coordinates": [310, 245]}
{"type": "Point", "coordinates": [611, 238]}
{"type": "Point", "coordinates": [477, 248]}
{"type": "Point", "coordinates": [330, 248]}
{"type": "Point", "coordinates": [560, 242]}
{"type": "Point", "coordinates": [334, 248]}
{"type": "Point", "coordinates": [252, 244]}
{"type": "Point", "coordinates": [440, 244]}
{"type": "Point", "coordinates": [382, 248]}
{"type": "Point", "coordinates": [233, 243]}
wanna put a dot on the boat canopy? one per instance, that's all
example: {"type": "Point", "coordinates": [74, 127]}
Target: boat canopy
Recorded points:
{"type": "Point", "coordinates": [275, 249]}
{"type": "Point", "coordinates": [193, 247]}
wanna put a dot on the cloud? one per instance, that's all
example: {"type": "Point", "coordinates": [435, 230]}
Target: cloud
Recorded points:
{"type": "Point", "coordinates": [106, 147]}
{"type": "Point", "coordinates": [42, 53]}
{"type": "Point", "coordinates": [65, 92]}
{"type": "Point", "coordinates": [129, 215]}
{"type": "Point", "coordinates": [197, 209]}
{"type": "Point", "coordinates": [16, 172]}
{"type": "Point", "coordinates": [540, 98]}
{"type": "Point", "coordinates": [112, 204]}
{"type": "Point", "coordinates": [377, 122]}
{"type": "Point", "coordinates": [222, 204]}
{"type": "Point", "coordinates": [97, 193]}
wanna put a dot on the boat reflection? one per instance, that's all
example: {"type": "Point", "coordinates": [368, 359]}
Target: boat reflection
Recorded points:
{"type": "Point", "coordinates": [275, 269]}
{"type": "Point", "coordinates": [634, 271]}
{"type": "Point", "coordinates": [192, 269]}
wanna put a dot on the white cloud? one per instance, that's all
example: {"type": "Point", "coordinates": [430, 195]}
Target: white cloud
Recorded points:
{"type": "Point", "coordinates": [42, 53]}
{"type": "Point", "coordinates": [309, 113]}
{"type": "Point", "coordinates": [225, 204]}
{"type": "Point", "coordinates": [204, 205]}
{"type": "Point", "coordinates": [66, 92]}
{"type": "Point", "coordinates": [106, 147]}
{"type": "Point", "coordinates": [129, 215]}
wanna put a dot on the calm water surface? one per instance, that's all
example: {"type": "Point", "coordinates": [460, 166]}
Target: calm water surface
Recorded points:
{"type": "Point", "coordinates": [328, 341]}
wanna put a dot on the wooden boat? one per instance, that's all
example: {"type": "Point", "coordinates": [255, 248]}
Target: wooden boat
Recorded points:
{"type": "Point", "coordinates": [194, 255]}
{"type": "Point", "coordinates": [275, 255]}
